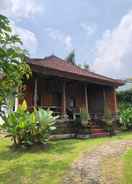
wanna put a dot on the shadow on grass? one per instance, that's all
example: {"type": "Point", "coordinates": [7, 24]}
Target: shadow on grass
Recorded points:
{"type": "Point", "coordinates": [62, 146]}
{"type": "Point", "coordinates": [35, 165]}
{"type": "Point", "coordinates": [9, 154]}
{"type": "Point", "coordinates": [54, 147]}
{"type": "Point", "coordinates": [42, 165]}
{"type": "Point", "coordinates": [59, 147]}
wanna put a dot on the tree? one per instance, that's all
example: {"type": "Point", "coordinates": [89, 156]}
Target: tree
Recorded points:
{"type": "Point", "coordinates": [71, 57]}
{"type": "Point", "coordinates": [86, 66]}
{"type": "Point", "coordinates": [13, 63]}
{"type": "Point", "coordinates": [125, 97]}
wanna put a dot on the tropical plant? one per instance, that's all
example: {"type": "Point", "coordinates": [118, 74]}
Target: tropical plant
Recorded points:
{"type": "Point", "coordinates": [71, 57]}
{"type": "Point", "coordinates": [108, 119]}
{"type": "Point", "coordinates": [86, 66]}
{"type": "Point", "coordinates": [27, 128]}
{"type": "Point", "coordinates": [125, 98]}
{"type": "Point", "coordinates": [45, 124]}
{"type": "Point", "coordinates": [126, 118]}
{"type": "Point", "coordinates": [85, 117]}
{"type": "Point", "coordinates": [13, 63]}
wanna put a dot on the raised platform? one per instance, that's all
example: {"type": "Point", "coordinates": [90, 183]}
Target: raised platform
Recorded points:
{"type": "Point", "coordinates": [67, 129]}
{"type": "Point", "coordinates": [97, 131]}
{"type": "Point", "coordinates": [101, 134]}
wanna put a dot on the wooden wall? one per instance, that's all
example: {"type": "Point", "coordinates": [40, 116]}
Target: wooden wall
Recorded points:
{"type": "Point", "coordinates": [76, 90]}
{"type": "Point", "coordinates": [28, 93]}
{"type": "Point", "coordinates": [95, 99]}
{"type": "Point", "coordinates": [50, 94]}
{"type": "Point", "coordinates": [111, 99]}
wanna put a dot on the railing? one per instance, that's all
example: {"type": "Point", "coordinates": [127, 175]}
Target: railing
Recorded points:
{"type": "Point", "coordinates": [94, 116]}
{"type": "Point", "coordinates": [100, 116]}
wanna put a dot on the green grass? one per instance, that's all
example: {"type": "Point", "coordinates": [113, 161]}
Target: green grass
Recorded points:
{"type": "Point", "coordinates": [127, 167]}
{"type": "Point", "coordinates": [44, 166]}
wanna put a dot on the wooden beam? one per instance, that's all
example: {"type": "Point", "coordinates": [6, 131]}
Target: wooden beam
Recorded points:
{"type": "Point", "coordinates": [105, 100]}
{"type": "Point", "coordinates": [66, 75]}
{"type": "Point", "coordinates": [35, 92]}
{"type": "Point", "coordinates": [86, 97]}
{"type": "Point", "coordinates": [115, 101]}
{"type": "Point", "coordinates": [64, 98]}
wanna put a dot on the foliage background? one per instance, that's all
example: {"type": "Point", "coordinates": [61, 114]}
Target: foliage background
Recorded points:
{"type": "Point", "coordinates": [13, 64]}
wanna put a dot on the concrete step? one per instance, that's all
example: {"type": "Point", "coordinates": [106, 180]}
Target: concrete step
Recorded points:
{"type": "Point", "coordinates": [102, 134]}
{"type": "Point", "coordinates": [97, 130]}
{"type": "Point", "coordinates": [95, 126]}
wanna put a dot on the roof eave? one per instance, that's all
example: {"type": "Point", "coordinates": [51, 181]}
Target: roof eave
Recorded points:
{"type": "Point", "coordinates": [39, 69]}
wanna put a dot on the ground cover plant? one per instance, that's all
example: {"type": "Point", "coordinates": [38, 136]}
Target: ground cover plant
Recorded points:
{"type": "Point", "coordinates": [45, 166]}
{"type": "Point", "coordinates": [28, 128]}
{"type": "Point", "coordinates": [125, 109]}
{"type": "Point", "coordinates": [126, 118]}
{"type": "Point", "coordinates": [127, 163]}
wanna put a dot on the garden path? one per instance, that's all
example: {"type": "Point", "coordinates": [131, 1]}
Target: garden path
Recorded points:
{"type": "Point", "coordinates": [87, 170]}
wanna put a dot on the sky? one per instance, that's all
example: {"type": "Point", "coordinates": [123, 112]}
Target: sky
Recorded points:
{"type": "Point", "coordinates": [100, 31]}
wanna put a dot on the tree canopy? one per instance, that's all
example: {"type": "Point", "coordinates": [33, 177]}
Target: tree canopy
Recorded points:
{"type": "Point", "coordinates": [86, 66]}
{"type": "Point", "coordinates": [71, 57]}
{"type": "Point", "coordinates": [13, 61]}
{"type": "Point", "coordinates": [125, 97]}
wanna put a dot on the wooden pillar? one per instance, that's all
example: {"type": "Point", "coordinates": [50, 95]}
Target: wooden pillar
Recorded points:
{"type": "Point", "coordinates": [104, 94]}
{"type": "Point", "coordinates": [105, 100]}
{"type": "Point", "coordinates": [64, 98]}
{"type": "Point", "coordinates": [35, 92]}
{"type": "Point", "coordinates": [86, 97]}
{"type": "Point", "coordinates": [115, 101]}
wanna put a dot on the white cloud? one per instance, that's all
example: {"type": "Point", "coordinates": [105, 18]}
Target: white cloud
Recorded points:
{"type": "Point", "coordinates": [68, 42]}
{"type": "Point", "coordinates": [89, 29]}
{"type": "Point", "coordinates": [61, 37]}
{"type": "Point", "coordinates": [20, 8]}
{"type": "Point", "coordinates": [114, 50]}
{"type": "Point", "coordinates": [29, 39]}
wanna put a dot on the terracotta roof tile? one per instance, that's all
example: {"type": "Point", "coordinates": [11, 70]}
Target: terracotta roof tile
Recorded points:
{"type": "Point", "coordinates": [55, 63]}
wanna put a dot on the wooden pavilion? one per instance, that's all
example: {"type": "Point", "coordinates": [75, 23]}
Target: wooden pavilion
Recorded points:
{"type": "Point", "coordinates": [60, 86]}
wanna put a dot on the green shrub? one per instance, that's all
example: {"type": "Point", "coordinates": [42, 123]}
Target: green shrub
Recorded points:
{"type": "Point", "coordinates": [123, 106]}
{"type": "Point", "coordinates": [125, 97]}
{"type": "Point", "coordinates": [108, 120]}
{"type": "Point", "coordinates": [126, 118]}
{"type": "Point", "coordinates": [85, 118]}
{"type": "Point", "coordinates": [27, 128]}
{"type": "Point", "coordinates": [84, 115]}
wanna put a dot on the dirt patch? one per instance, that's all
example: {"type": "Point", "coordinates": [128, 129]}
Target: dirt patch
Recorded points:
{"type": "Point", "coordinates": [88, 169]}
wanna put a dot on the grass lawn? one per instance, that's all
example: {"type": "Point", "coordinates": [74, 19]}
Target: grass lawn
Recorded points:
{"type": "Point", "coordinates": [119, 169]}
{"type": "Point", "coordinates": [127, 167]}
{"type": "Point", "coordinates": [47, 166]}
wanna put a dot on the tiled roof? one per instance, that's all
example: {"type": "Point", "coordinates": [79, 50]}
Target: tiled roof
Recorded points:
{"type": "Point", "coordinates": [57, 64]}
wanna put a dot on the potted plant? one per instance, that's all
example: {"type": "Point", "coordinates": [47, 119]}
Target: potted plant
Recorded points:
{"type": "Point", "coordinates": [108, 119]}
{"type": "Point", "coordinates": [84, 116]}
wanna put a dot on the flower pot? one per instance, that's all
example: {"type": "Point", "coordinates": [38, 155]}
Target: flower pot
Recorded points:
{"type": "Point", "coordinates": [84, 123]}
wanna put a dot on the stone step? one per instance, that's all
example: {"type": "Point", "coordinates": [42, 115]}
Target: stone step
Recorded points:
{"type": "Point", "coordinates": [100, 134]}
{"type": "Point", "coordinates": [95, 126]}
{"type": "Point", "coordinates": [97, 130]}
